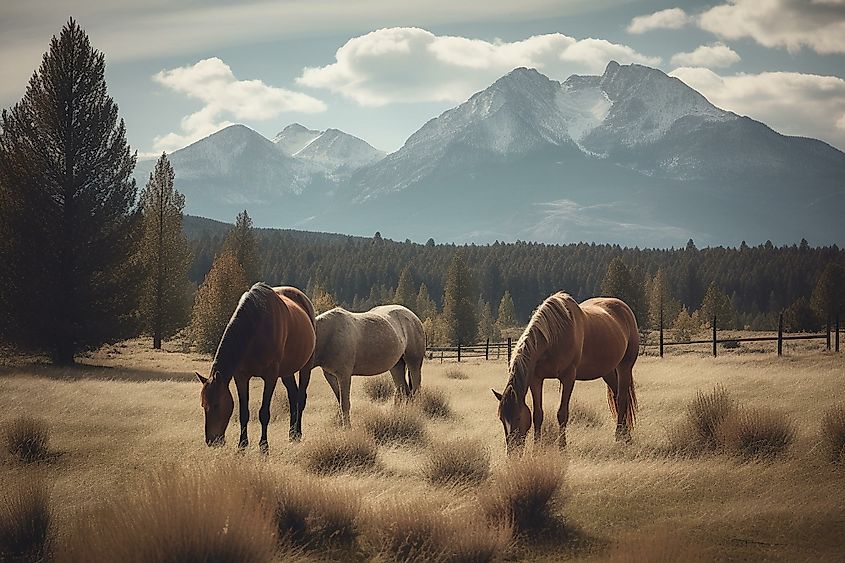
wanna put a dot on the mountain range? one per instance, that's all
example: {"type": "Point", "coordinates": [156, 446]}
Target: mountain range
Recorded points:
{"type": "Point", "coordinates": [633, 157]}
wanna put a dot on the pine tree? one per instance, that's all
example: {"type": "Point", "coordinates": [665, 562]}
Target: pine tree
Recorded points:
{"type": "Point", "coordinates": [487, 327]}
{"type": "Point", "coordinates": [507, 313]}
{"type": "Point", "coordinates": [716, 303]}
{"type": "Point", "coordinates": [620, 283]}
{"type": "Point", "coordinates": [660, 297]}
{"type": "Point", "coordinates": [67, 207]}
{"type": "Point", "coordinates": [459, 303]}
{"type": "Point", "coordinates": [800, 317]}
{"type": "Point", "coordinates": [216, 300]}
{"type": "Point", "coordinates": [685, 326]}
{"type": "Point", "coordinates": [828, 298]}
{"type": "Point", "coordinates": [244, 244]}
{"type": "Point", "coordinates": [425, 308]}
{"type": "Point", "coordinates": [322, 299]}
{"type": "Point", "coordinates": [165, 300]}
{"type": "Point", "coordinates": [405, 295]}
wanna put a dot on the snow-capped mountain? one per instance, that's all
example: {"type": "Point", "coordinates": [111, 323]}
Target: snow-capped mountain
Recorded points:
{"type": "Point", "coordinates": [632, 157]}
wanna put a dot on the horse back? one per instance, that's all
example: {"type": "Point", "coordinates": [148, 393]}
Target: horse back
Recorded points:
{"type": "Point", "coordinates": [295, 326]}
{"type": "Point", "coordinates": [610, 336]}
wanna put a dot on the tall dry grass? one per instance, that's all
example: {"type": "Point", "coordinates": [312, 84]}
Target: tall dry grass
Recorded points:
{"type": "Point", "coordinates": [699, 430]}
{"type": "Point", "coordinates": [379, 388]}
{"type": "Point", "coordinates": [403, 424]}
{"type": "Point", "coordinates": [433, 402]}
{"type": "Point", "coordinates": [457, 462]}
{"type": "Point", "coordinates": [26, 521]}
{"type": "Point", "coordinates": [340, 452]}
{"type": "Point", "coordinates": [27, 439]}
{"type": "Point", "coordinates": [756, 433]}
{"type": "Point", "coordinates": [833, 434]}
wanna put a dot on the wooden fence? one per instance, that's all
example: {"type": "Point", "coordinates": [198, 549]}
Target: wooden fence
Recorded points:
{"type": "Point", "coordinates": [497, 350]}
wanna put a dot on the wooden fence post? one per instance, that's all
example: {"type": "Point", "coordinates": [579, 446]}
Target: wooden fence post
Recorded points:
{"type": "Point", "coordinates": [714, 336]}
{"type": "Point", "coordinates": [459, 351]}
{"type": "Point", "coordinates": [780, 334]}
{"type": "Point", "coordinates": [827, 331]}
{"type": "Point", "coordinates": [661, 328]}
{"type": "Point", "coordinates": [487, 350]}
{"type": "Point", "coordinates": [836, 326]}
{"type": "Point", "coordinates": [509, 350]}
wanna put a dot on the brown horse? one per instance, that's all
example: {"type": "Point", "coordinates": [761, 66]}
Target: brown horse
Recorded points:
{"type": "Point", "coordinates": [567, 341]}
{"type": "Point", "coordinates": [271, 335]}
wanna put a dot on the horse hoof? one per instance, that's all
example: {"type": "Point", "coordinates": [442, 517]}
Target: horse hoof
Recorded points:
{"type": "Point", "coordinates": [242, 446]}
{"type": "Point", "coordinates": [295, 436]}
{"type": "Point", "coordinates": [264, 448]}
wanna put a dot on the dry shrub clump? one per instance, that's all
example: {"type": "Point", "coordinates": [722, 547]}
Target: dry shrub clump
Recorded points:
{"type": "Point", "coordinates": [457, 462]}
{"type": "Point", "coordinates": [182, 516]}
{"type": "Point", "coordinates": [310, 515]}
{"type": "Point", "coordinates": [433, 402]}
{"type": "Point", "coordinates": [699, 430]}
{"type": "Point", "coordinates": [401, 425]}
{"type": "Point", "coordinates": [527, 494]}
{"type": "Point", "coordinates": [27, 439]}
{"type": "Point", "coordinates": [379, 388]}
{"type": "Point", "coordinates": [420, 531]}
{"type": "Point", "coordinates": [833, 434]}
{"type": "Point", "coordinates": [25, 522]}
{"type": "Point", "coordinates": [342, 451]}
{"type": "Point", "coordinates": [584, 415]}
{"type": "Point", "coordinates": [756, 432]}
{"type": "Point", "coordinates": [455, 373]}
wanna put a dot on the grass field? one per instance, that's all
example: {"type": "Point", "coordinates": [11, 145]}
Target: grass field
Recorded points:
{"type": "Point", "coordinates": [130, 416]}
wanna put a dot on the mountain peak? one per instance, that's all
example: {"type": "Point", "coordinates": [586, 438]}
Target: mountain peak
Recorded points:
{"type": "Point", "coordinates": [294, 137]}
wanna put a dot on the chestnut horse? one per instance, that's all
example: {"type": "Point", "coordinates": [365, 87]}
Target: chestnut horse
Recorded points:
{"type": "Point", "coordinates": [271, 335]}
{"type": "Point", "coordinates": [569, 342]}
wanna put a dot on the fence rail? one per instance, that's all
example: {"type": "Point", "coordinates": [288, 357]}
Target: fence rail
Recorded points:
{"type": "Point", "coordinates": [495, 350]}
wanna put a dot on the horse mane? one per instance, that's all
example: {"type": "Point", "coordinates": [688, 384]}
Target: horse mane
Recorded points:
{"type": "Point", "coordinates": [252, 306]}
{"type": "Point", "coordinates": [551, 319]}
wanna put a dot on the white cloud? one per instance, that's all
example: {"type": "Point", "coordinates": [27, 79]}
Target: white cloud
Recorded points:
{"type": "Point", "coordinates": [673, 18]}
{"type": "Point", "coordinates": [407, 64]}
{"type": "Point", "coordinates": [817, 24]}
{"type": "Point", "coordinates": [711, 56]}
{"type": "Point", "coordinates": [214, 83]}
{"type": "Point", "coordinates": [792, 103]}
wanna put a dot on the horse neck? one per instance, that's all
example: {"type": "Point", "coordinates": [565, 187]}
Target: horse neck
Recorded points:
{"type": "Point", "coordinates": [230, 351]}
{"type": "Point", "coordinates": [520, 371]}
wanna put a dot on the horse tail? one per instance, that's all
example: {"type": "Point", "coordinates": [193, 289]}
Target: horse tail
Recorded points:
{"type": "Point", "coordinates": [611, 402]}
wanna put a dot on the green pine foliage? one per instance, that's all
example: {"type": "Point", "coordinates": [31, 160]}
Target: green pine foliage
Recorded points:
{"type": "Point", "coordinates": [425, 308]}
{"type": "Point", "coordinates": [405, 294]}
{"type": "Point", "coordinates": [216, 300]}
{"type": "Point", "coordinates": [243, 242]}
{"type": "Point", "coordinates": [717, 304]}
{"type": "Point", "coordinates": [800, 317]}
{"type": "Point", "coordinates": [619, 282]}
{"type": "Point", "coordinates": [661, 299]}
{"type": "Point", "coordinates": [165, 297]}
{"type": "Point", "coordinates": [506, 317]}
{"type": "Point", "coordinates": [828, 297]}
{"type": "Point", "coordinates": [459, 302]}
{"type": "Point", "coordinates": [68, 215]}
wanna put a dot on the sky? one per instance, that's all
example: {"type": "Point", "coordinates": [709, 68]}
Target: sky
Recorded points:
{"type": "Point", "coordinates": [379, 69]}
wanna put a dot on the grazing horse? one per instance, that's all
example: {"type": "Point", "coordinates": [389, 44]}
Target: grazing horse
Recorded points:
{"type": "Point", "coordinates": [271, 335]}
{"type": "Point", "coordinates": [568, 341]}
{"type": "Point", "coordinates": [389, 337]}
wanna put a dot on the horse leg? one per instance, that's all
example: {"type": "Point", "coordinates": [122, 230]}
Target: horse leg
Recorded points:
{"type": "Point", "coordinates": [332, 381]}
{"type": "Point", "coordinates": [242, 385]}
{"type": "Point", "coordinates": [345, 384]}
{"type": "Point", "coordinates": [293, 400]}
{"type": "Point", "coordinates": [536, 387]}
{"type": "Point", "coordinates": [567, 384]}
{"type": "Point", "coordinates": [625, 383]}
{"type": "Point", "coordinates": [304, 380]}
{"type": "Point", "coordinates": [264, 412]}
{"type": "Point", "coordinates": [398, 373]}
{"type": "Point", "coordinates": [414, 374]}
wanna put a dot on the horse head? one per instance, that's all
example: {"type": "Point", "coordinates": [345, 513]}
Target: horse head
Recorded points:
{"type": "Point", "coordinates": [516, 419]}
{"type": "Point", "coordinates": [218, 404]}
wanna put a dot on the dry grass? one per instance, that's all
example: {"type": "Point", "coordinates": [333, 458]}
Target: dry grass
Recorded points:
{"type": "Point", "coordinates": [27, 439]}
{"type": "Point", "coordinates": [181, 515]}
{"type": "Point", "coordinates": [25, 521]}
{"type": "Point", "coordinates": [457, 462]}
{"type": "Point", "coordinates": [756, 433]}
{"type": "Point", "coordinates": [433, 402]}
{"type": "Point", "coordinates": [340, 452]}
{"type": "Point", "coordinates": [379, 388]}
{"type": "Point", "coordinates": [699, 430]}
{"type": "Point", "coordinates": [403, 424]}
{"type": "Point", "coordinates": [659, 547]}
{"type": "Point", "coordinates": [527, 494]}
{"type": "Point", "coordinates": [455, 373]}
{"type": "Point", "coordinates": [423, 531]}
{"type": "Point", "coordinates": [833, 434]}
{"type": "Point", "coordinates": [581, 414]}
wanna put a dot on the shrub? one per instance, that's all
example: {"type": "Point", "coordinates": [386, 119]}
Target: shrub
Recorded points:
{"type": "Point", "coordinates": [25, 521]}
{"type": "Point", "coordinates": [379, 388]}
{"type": "Point", "coordinates": [310, 515]}
{"type": "Point", "coordinates": [527, 494]}
{"type": "Point", "coordinates": [833, 434]}
{"type": "Point", "coordinates": [27, 439]}
{"type": "Point", "coordinates": [455, 373]}
{"type": "Point", "coordinates": [341, 451]}
{"type": "Point", "coordinates": [401, 425]}
{"type": "Point", "coordinates": [182, 516]}
{"type": "Point", "coordinates": [422, 531]}
{"type": "Point", "coordinates": [705, 413]}
{"type": "Point", "coordinates": [756, 432]}
{"type": "Point", "coordinates": [433, 402]}
{"type": "Point", "coordinates": [457, 462]}
{"type": "Point", "coordinates": [584, 415]}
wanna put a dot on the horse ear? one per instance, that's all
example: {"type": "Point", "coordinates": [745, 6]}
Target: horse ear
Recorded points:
{"type": "Point", "coordinates": [497, 394]}
{"type": "Point", "coordinates": [201, 379]}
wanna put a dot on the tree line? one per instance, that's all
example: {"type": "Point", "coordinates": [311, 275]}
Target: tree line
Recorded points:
{"type": "Point", "coordinates": [88, 258]}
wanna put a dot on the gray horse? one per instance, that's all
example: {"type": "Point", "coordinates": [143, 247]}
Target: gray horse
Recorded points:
{"type": "Point", "coordinates": [389, 337]}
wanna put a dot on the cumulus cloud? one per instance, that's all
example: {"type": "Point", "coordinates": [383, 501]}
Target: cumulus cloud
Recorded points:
{"type": "Point", "coordinates": [712, 56]}
{"type": "Point", "coordinates": [792, 103]}
{"type": "Point", "coordinates": [673, 18]}
{"type": "Point", "coordinates": [213, 82]}
{"type": "Point", "coordinates": [407, 64]}
{"type": "Point", "coordinates": [817, 24]}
